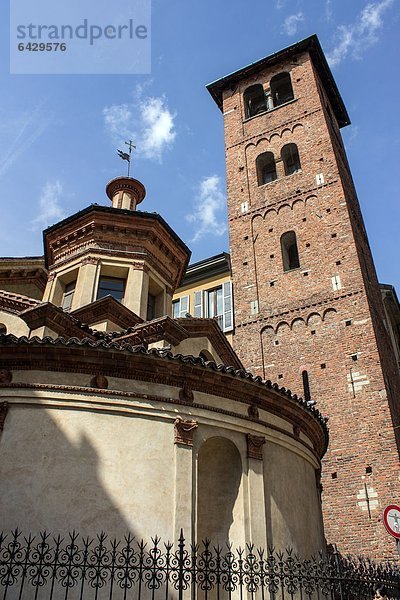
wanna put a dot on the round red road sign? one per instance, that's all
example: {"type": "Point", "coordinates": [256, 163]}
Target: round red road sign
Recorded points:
{"type": "Point", "coordinates": [391, 519]}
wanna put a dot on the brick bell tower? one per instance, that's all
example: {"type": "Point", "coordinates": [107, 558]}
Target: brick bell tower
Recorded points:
{"type": "Point", "coordinates": [308, 307]}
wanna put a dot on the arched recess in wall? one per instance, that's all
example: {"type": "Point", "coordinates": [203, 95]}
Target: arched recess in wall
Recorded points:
{"type": "Point", "coordinates": [329, 315]}
{"type": "Point", "coordinates": [220, 509]}
{"type": "Point", "coordinates": [3, 328]}
{"type": "Point", "coordinates": [206, 355]}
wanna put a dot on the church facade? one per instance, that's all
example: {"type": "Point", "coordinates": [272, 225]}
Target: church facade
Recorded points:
{"type": "Point", "coordinates": [127, 401]}
{"type": "Point", "coordinates": [116, 417]}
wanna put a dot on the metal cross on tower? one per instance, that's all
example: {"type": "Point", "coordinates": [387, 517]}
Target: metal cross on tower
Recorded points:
{"type": "Point", "coordinates": [127, 155]}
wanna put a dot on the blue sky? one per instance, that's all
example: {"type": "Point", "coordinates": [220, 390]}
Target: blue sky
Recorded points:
{"type": "Point", "coordinates": [59, 133]}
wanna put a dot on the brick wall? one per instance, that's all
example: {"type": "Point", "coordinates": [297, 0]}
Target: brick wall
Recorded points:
{"type": "Point", "coordinates": [301, 320]}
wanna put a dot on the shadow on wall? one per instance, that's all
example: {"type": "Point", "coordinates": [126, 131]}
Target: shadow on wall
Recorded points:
{"type": "Point", "coordinates": [219, 481]}
{"type": "Point", "coordinates": [292, 502]}
{"type": "Point", "coordinates": [52, 482]}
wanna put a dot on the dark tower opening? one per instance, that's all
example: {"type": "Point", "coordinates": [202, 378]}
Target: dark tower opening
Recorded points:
{"type": "Point", "coordinates": [254, 100]}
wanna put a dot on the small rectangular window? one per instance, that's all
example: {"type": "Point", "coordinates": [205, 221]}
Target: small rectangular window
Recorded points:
{"type": "Point", "coordinates": [214, 305]}
{"type": "Point", "coordinates": [290, 253]}
{"type": "Point", "coordinates": [151, 307]}
{"type": "Point", "coordinates": [175, 309]}
{"type": "Point", "coordinates": [68, 296]}
{"type": "Point", "coordinates": [180, 307]}
{"type": "Point", "coordinates": [111, 286]}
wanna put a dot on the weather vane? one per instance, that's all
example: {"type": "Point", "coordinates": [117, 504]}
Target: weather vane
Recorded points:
{"type": "Point", "coordinates": [127, 155]}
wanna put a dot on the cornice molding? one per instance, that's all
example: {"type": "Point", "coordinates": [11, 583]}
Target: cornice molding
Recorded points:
{"type": "Point", "coordinates": [326, 301]}
{"type": "Point", "coordinates": [161, 367]}
{"type": "Point", "coordinates": [107, 308]}
{"type": "Point", "coordinates": [91, 392]}
{"type": "Point", "coordinates": [48, 315]}
{"type": "Point", "coordinates": [297, 119]}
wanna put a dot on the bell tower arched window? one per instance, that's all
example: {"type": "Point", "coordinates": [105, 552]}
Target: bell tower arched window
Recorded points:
{"type": "Point", "coordinates": [266, 168]}
{"type": "Point", "coordinates": [291, 159]}
{"type": "Point", "coordinates": [290, 253]}
{"type": "Point", "coordinates": [281, 89]}
{"type": "Point", "coordinates": [254, 100]}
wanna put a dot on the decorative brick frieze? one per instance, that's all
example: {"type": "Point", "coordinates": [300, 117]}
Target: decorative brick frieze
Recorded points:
{"type": "Point", "coordinates": [279, 128]}
{"type": "Point", "coordinates": [15, 303]}
{"type": "Point", "coordinates": [255, 445]}
{"type": "Point", "coordinates": [115, 232]}
{"type": "Point", "coordinates": [90, 260]}
{"type": "Point", "coordinates": [184, 430]}
{"type": "Point", "coordinates": [159, 366]}
{"type": "Point", "coordinates": [322, 304]}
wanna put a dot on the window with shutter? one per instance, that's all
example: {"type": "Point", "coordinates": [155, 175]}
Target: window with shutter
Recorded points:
{"type": "Point", "coordinates": [198, 304]}
{"type": "Point", "coordinates": [180, 307]}
{"type": "Point", "coordinates": [184, 306]}
{"type": "Point", "coordinates": [228, 312]}
{"type": "Point", "coordinates": [175, 309]}
{"type": "Point", "coordinates": [68, 296]}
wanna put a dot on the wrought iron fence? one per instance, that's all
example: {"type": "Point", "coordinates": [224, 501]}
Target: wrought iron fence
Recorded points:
{"type": "Point", "coordinates": [45, 567]}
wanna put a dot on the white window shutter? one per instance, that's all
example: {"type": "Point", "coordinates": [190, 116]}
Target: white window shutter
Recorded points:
{"type": "Point", "coordinates": [254, 307]}
{"type": "Point", "coordinates": [198, 304]}
{"type": "Point", "coordinates": [336, 283]}
{"type": "Point", "coordinates": [184, 306]}
{"type": "Point", "coordinates": [228, 312]}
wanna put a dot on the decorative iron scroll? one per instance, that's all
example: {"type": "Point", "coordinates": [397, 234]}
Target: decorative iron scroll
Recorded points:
{"type": "Point", "coordinates": [49, 567]}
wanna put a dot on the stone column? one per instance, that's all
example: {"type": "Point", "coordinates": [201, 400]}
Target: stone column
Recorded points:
{"type": "Point", "coordinates": [258, 524]}
{"type": "Point", "coordinates": [48, 292]}
{"type": "Point", "coordinates": [168, 301]}
{"type": "Point", "coordinates": [183, 516]}
{"type": "Point", "coordinates": [137, 291]}
{"type": "Point", "coordinates": [85, 283]}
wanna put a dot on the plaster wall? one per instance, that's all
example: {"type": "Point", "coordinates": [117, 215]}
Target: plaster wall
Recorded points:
{"type": "Point", "coordinates": [103, 462]}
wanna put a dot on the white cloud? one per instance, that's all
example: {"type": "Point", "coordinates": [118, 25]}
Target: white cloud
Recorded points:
{"type": "Point", "coordinates": [148, 121]}
{"type": "Point", "coordinates": [210, 203]}
{"type": "Point", "coordinates": [19, 133]}
{"type": "Point", "coordinates": [328, 10]}
{"type": "Point", "coordinates": [50, 210]}
{"type": "Point", "coordinates": [354, 39]}
{"type": "Point", "coordinates": [292, 22]}
{"type": "Point", "coordinates": [158, 132]}
{"type": "Point", "coordinates": [118, 120]}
